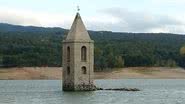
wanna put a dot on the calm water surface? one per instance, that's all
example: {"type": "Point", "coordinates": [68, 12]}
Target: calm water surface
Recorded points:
{"type": "Point", "coordinates": [154, 91]}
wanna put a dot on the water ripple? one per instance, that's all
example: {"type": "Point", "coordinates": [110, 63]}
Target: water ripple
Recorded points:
{"type": "Point", "coordinates": [154, 91]}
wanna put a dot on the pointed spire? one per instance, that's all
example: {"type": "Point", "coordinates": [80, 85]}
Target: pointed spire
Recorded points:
{"type": "Point", "coordinates": [78, 31]}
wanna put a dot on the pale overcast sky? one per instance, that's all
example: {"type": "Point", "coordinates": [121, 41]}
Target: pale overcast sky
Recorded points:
{"type": "Point", "coordinates": [111, 15]}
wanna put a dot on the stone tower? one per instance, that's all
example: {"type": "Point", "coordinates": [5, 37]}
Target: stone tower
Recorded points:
{"type": "Point", "coordinates": [78, 58]}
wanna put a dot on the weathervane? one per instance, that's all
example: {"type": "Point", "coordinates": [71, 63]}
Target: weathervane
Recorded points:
{"type": "Point", "coordinates": [78, 8]}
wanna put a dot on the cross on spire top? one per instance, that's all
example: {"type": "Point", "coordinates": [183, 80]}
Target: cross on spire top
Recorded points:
{"type": "Point", "coordinates": [78, 8]}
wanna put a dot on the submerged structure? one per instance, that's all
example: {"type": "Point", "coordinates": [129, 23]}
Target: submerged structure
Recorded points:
{"type": "Point", "coordinates": [78, 58]}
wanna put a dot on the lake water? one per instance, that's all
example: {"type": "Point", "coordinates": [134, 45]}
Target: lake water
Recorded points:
{"type": "Point", "coordinates": [154, 91]}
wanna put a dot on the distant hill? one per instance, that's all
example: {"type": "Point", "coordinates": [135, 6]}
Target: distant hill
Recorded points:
{"type": "Point", "coordinates": [38, 46]}
{"type": "Point", "coordinates": [17, 28]}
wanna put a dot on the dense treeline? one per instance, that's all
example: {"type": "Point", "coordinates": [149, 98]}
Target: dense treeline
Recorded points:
{"type": "Point", "coordinates": [139, 49]}
{"type": "Point", "coordinates": [36, 46]}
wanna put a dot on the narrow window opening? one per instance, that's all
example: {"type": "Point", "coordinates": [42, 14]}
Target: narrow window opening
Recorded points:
{"type": "Point", "coordinates": [83, 53]}
{"type": "Point", "coordinates": [68, 70]}
{"type": "Point", "coordinates": [68, 54]}
{"type": "Point", "coordinates": [84, 70]}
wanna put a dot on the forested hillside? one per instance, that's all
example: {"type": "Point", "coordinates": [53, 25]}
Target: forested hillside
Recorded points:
{"type": "Point", "coordinates": [37, 46]}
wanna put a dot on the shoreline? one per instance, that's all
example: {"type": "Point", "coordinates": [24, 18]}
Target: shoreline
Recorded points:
{"type": "Point", "coordinates": [55, 73]}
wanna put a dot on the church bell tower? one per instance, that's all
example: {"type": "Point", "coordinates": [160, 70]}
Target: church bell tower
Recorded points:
{"type": "Point", "coordinates": [78, 58]}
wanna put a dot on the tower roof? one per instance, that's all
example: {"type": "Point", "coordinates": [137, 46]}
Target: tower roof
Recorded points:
{"type": "Point", "coordinates": [78, 31]}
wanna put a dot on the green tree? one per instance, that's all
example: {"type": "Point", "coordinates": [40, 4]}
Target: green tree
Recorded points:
{"type": "Point", "coordinates": [182, 51]}
{"type": "Point", "coordinates": [119, 63]}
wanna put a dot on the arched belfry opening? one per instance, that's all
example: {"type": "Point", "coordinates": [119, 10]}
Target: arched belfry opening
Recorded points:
{"type": "Point", "coordinates": [78, 58]}
{"type": "Point", "coordinates": [83, 53]}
